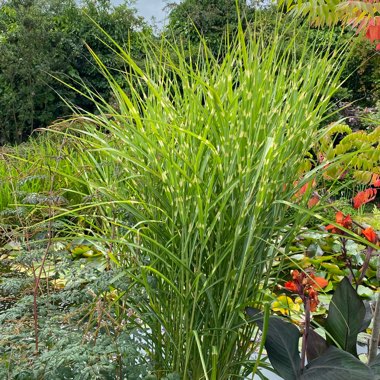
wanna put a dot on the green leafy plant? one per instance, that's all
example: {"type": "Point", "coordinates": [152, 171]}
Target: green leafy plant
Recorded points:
{"type": "Point", "coordinates": [347, 317]}
{"type": "Point", "coordinates": [364, 166]}
{"type": "Point", "coordinates": [208, 154]}
{"type": "Point", "coordinates": [81, 334]}
{"type": "Point", "coordinates": [327, 359]}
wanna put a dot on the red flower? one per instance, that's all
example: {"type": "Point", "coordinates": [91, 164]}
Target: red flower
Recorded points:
{"type": "Point", "coordinates": [370, 235]}
{"type": "Point", "coordinates": [363, 197]}
{"type": "Point", "coordinates": [319, 282]}
{"type": "Point", "coordinates": [306, 187]}
{"type": "Point", "coordinates": [344, 221]}
{"type": "Point", "coordinates": [295, 274]}
{"type": "Point", "coordinates": [291, 286]}
{"type": "Point", "coordinates": [306, 285]}
{"type": "Point", "coordinates": [314, 200]}
{"type": "Point", "coordinates": [313, 296]}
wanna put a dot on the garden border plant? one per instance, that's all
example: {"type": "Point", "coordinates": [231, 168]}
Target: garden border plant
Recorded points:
{"type": "Point", "coordinates": [202, 157]}
{"type": "Point", "coordinates": [209, 150]}
{"type": "Point", "coordinates": [336, 356]}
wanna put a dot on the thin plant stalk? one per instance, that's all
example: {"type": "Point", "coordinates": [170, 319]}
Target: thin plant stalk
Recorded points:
{"type": "Point", "coordinates": [305, 334]}
{"type": "Point", "coordinates": [375, 335]}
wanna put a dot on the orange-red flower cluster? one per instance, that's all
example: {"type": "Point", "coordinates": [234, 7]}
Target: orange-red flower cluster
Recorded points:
{"type": "Point", "coordinates": [306, 285]}
{"type": "Point", "coordinates": [341, 219]}
{"type": "Point", "coordinates": [363, 197]}
{"type": "Point", "coordinates": [372, 26]}
{"type": "Point", "coordinates": [370, 235]}
{"type": "Point", "coordinates": [305, 188]}
{"type": "Point", "coordinates": [346, 222]}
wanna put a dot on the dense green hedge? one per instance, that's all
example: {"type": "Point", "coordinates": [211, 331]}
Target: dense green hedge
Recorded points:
{"type": "Point", "coordinates": [40, 39]}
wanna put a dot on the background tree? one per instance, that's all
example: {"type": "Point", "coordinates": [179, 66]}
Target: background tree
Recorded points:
{"type": "Point", "coordinates": [191, 19]}
{"type": "Point", "coordinates": [43, 39]}
{"type": "Point", "coordinates": [355, 17]}
{"type": "Point", "coordinates": [210, 18]}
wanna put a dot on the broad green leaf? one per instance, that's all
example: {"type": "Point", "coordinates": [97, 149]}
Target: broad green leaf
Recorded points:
{"type": "Point", "coordinates": [375, 367]}
{"type": "Point", "coordinates": [80, 250]}
{"type": "Point", "coordinates": [332, 268]}
{"type": "Point", "coordinates": [281, 345]}
{"type": "Point", "coordinates": [321, 259]}
{"type": "Point", "coordinates": [285, 305]}
{"type": "Point", "coordinates": [367, 317]}
{"type": "Point", "coordinates": [345, 318]}
{"type": "Point", "coordinates": [316, 345]}
{"type": "Point", "coordinates": [337, 364]}
{"type": "Point", "coordinates": [364, 291]}
{"type": "Point", "coordinates": [92, 253]}
{"type": "Point", "coordinates": [314, 250]}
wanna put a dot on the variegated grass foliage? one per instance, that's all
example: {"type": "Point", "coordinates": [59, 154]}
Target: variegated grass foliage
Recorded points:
{"type": "Point", "coordinates": [24, 169]}
{"type": "Point", "coordinates": [204, 153]}
{"type": "Point", "coordinates": [44, 166]}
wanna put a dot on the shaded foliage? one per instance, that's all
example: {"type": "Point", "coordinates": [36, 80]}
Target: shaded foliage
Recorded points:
{"type": "Point", "coordinates": [192, 20]}
{"type": "Point", "coordinates": [41, 41]}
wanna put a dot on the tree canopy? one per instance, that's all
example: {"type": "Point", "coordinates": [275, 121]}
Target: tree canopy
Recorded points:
{"type": "Point", "coordinates": [192, 19]}
{"type": "Point", "coordinates": [43, 42]}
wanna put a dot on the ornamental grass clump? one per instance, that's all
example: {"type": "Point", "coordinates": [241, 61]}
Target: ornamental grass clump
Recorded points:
{"type": "Point", "coordinates": [209, 150]}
